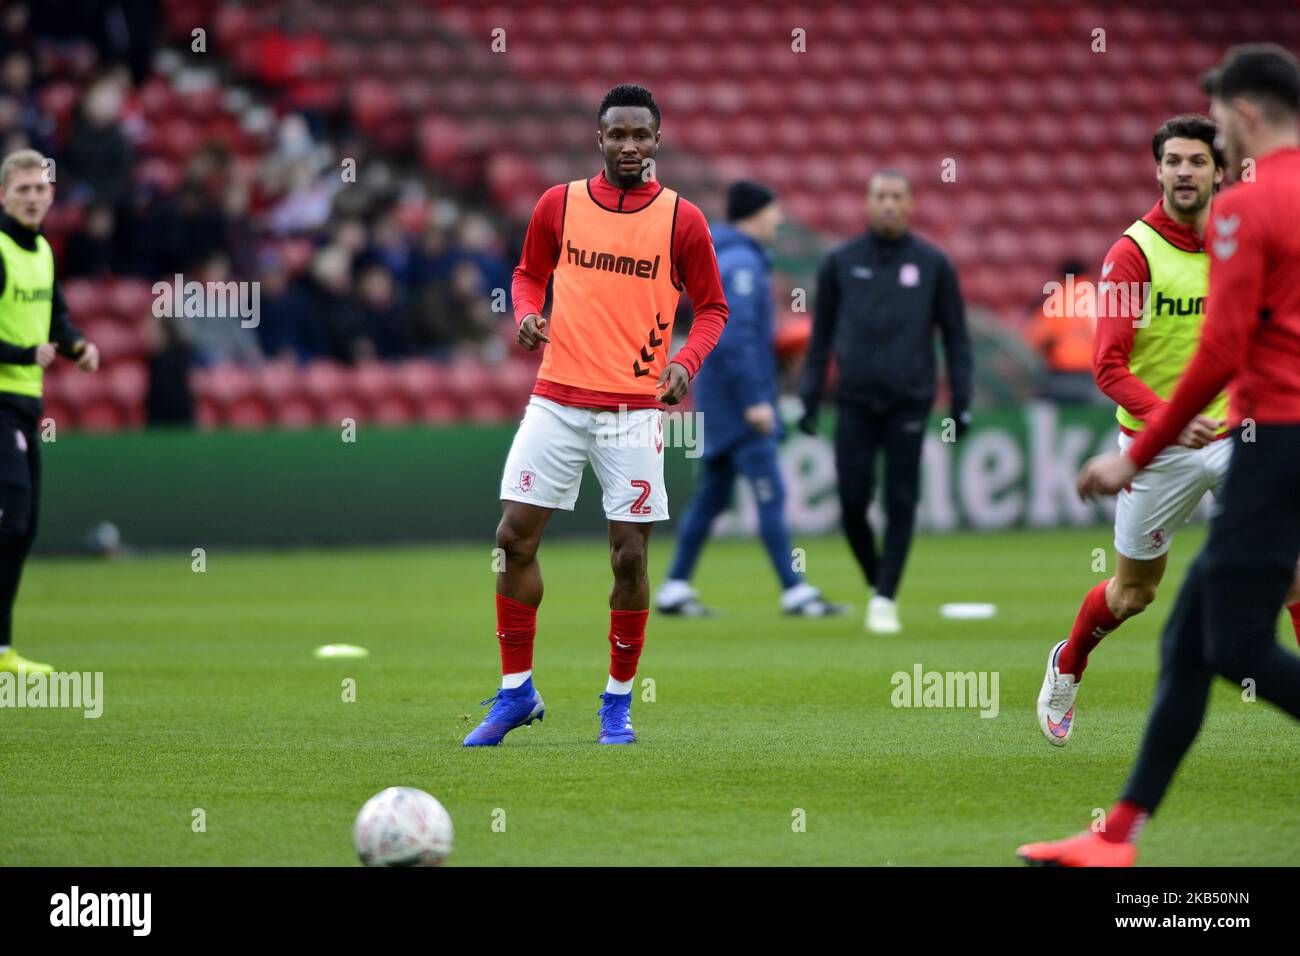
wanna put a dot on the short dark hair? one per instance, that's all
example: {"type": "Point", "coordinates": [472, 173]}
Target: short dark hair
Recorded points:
{"type": "Point", "coordinates": [1264, 72]}
{"type": "Point", "coordinates": [628, 94]}
{"type": "Point", "coordinates": [1188, 126]}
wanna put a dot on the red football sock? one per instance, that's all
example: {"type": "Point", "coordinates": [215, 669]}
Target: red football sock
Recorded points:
{"type": "Point", "coordinates": [1124, 823]}
{"type": "Point", "coordinates": [516, 628]}
{"type": "Point", "coordinates": [626, 638]}
{"type": "Point", "coordinates": [1295, 619]}
{"type": "Point", "coordinates": [1094, 622]}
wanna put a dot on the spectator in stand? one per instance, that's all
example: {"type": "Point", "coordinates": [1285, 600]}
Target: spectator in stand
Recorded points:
{"type": "Point", "coordinates": [349, 234]}
{"type": "Point", "coordinates": [219, 338]}
{"type": "Point", "coordinates": [16, 82]}
{"type": "Point", "coordinates": [206, 221]}
{"type": "Point", "coordinates": [12, 135]}
{"type": "Point", "coordinates": [15, 18]}
{"type": "Point", "coordinates": [288, 329]}
{"type": "Point", "coordinates": [92, 252]}
{"type": "Point", "coordinates": [480, 245]}
{"type": "Point", "coordinates": [451, 314]}
{"type": "Point", "coordinates": [390, 245]}
{"type": "Point", "coordinates": [307, 193]}
{"type": "Point", "coordinates": [199, 226]}
{"type": "Point", "coordinates": [169, 400]}
{"type": "Point", "coordinates": [339, 319]}
{"type": "Point", "coordinates": [435, 257]}
{"type": "Point", "coordinates": [127, 33]}
{"type": "Point", "coordinates": [99, 158]}
{"type": "Point", "coordinates": [386, 330]}
{"type": "Point", "coordinates": [148, 234]}
{"type": "Point", "coordinates": [240, 238]}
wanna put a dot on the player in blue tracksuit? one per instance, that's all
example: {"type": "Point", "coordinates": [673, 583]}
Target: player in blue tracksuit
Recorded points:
{"type": "Point", "coordinates": [735, 393]}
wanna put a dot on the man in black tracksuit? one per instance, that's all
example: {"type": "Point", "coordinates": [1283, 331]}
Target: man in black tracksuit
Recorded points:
{"type": "Point", "coordinates": [880, 298]}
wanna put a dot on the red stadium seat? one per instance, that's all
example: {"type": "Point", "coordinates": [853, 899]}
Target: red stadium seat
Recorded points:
{"type": "Point", "coordinates": [206, 414]}
{"type": "Point", "coordinates": [373, 381]}
{"type": "Point", "coordinates": [324, 381]}
{"type": "Point", "coordinates": [82, 297]}
{"type": "Point", "coordinates": [335, 411]}
{"type": "Point", "coordinates": [393, 410]}
{"type": "Point", "coordinates": [116, 342]}
{"type": "Point", "coordinates": [248, 412]}
{"type": "Point", "coordinates": [127, 381]}
{"type": "Point", "coordinates": [276, 382]}
{"type": "Point", "coordinates": [488, 408]}
{"type": "Point", "coordinates": [226, 384]}
{"type": "Point", "coordinates": [132, 299]}
{"type": "Point", "coordinates": [100, 415]}
{"type": "Point", "coordinates": [438, 410]}
{"type": "Point", "coordinates": [420, 379]}
{"type": "Point", "coordinates": [296, 412]}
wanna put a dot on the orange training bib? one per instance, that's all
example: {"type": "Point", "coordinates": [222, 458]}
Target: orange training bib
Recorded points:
{"type": "Point", "coordinates": [614, 296]}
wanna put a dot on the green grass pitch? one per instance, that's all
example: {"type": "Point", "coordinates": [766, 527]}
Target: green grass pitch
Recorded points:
{"type": "Point", "coordinates": [214, 702]}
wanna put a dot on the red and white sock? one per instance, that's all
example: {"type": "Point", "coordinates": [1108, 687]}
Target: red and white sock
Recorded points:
{"type": "Point", "coordinates": [1124, 823]}
{"type": "Point", "coordinates": [1094, 622]}
{"type": "Point", "coordinates": [516, 630]}
{"type": "Point", "coordinates": [626, 639]}
{"type": "Point", "coordinates": [1295, 619]}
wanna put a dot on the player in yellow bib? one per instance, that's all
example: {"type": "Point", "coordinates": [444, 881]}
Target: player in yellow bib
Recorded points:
{"type": "Point", "coordinates": [1150, 307]}
{"type": "Point", "coordinates": [34, 327]}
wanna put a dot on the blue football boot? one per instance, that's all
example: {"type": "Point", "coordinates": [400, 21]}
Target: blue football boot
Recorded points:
{"type": "Point", "coordinates": [615, 719]}
{"type": "Point", "coordinates": [510, 709]}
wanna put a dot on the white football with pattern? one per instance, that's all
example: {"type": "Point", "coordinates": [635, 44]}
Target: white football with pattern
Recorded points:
{"type": "Point", "coordinates": [402, 826]}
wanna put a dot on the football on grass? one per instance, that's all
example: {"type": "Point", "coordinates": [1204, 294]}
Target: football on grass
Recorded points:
{"type": "Point", "coordinates": [402, 826]}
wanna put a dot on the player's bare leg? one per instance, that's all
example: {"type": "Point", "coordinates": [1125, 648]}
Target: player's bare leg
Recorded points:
{"type": "Point", "coordinates": [518, 536]}
{"type": "Point", "coordinates": [629, 607]}
{"type": "Point", "coordinates": [629, 547]}
{"type": "Point", "coordinates": [1133, 587]}
{"type": "Point", "coordinates": [1105, 608]}
{"type": "Point", "coordinates": [519, 592]}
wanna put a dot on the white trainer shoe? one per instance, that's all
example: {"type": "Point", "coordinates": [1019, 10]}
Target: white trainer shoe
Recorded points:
{"type": "Point", "coordinates": [680, 599]}
{"type": "Point", "coordinates": [1056, 701]}
{"type": "Point", "coordinates": [882, 616]}
{"type": "Point", "coordinates": [804, 600]}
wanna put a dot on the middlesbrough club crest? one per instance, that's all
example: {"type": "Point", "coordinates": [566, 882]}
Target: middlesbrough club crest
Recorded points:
{"type": "Point", "coordinates": [526, 481]}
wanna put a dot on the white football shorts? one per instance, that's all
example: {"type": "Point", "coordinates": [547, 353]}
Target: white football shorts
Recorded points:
{"type": "Point", "coordinates": [1164, 495]}
{"type": "Point", "coordinates": [554, 443]}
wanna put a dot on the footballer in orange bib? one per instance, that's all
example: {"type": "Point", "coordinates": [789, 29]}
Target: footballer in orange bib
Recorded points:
{"type": "Point", "coordinates": [620, 249]}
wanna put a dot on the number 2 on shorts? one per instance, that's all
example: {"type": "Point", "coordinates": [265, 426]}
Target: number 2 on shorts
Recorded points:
{"type": "Point", "coordinates": [639, 507]}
